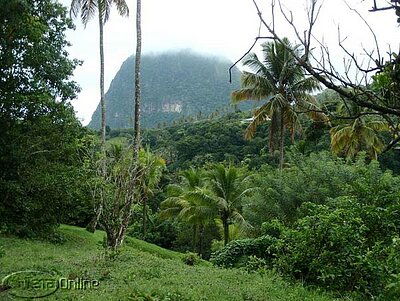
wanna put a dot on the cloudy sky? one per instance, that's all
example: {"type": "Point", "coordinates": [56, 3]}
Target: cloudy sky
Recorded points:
{"type": "Point", "coordinates": [225, 28]}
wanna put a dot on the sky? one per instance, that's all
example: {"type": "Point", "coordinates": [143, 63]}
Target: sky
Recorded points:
{"type": "Point", "coordinates": [225, 28]}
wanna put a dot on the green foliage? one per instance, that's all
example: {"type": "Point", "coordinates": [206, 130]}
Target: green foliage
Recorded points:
{"type": "Point", "coordinates": [187, 203]}
{"type": "Point", "coordinates": [191, 258]}
{"type": "Point", "coordinates": [347, 245]}
{"type": "Point", "coordinates": [40, 140]}
{"type": "Point", "coordinates": [217, 140]}
{"type": "Point", "coordinates": [160, 231]}
{"type": "Point", "coordinates": [310, 178]}
{"type": "Point", "coordinates": [344, 238]}
{"type": "Point", "coordinates": [208, 197]}
{"type": "Point", "coordinates": [34, 63]}
{"type": "Point", "coordinates": [232, 254]}
{"type": "Point", "coordinates": [256, 264]}
{"type": "Point", "coordinates": [281, 84]}
{"type": "Point", "coordinates": [350, 136]}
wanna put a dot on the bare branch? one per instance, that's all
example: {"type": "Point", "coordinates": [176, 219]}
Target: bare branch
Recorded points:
{"type": "Point", "coordinates": [369, 27]}
{"type": "Point", "coordinates": [244, 55]}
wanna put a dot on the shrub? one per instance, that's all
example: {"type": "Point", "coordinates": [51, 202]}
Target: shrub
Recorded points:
{"type": "Point", "coordinates": [262, 247]}
{"type": "Point", "coordinates": [343, 246]}
{"type": "Point", "coordinates": [191, 258]}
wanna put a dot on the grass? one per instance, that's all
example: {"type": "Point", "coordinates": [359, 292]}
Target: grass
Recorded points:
{"type": "Point", "coordinates": [141, 271]}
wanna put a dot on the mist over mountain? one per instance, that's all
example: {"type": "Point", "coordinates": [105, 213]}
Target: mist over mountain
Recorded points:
{"type": "Point", "coordinates": [174, 85]}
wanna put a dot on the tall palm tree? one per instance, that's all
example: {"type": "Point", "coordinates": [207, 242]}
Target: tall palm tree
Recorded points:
{"type": "Point", "coordinates": [228, 188]}
{"type": "Point", "coordinates": [280, 82]}
{"type": "Point", "coordinates": [88, 9]}
{"type": "Point", "coordinates": [138, 59]}
{"type": "Point", "coordinates": [356, 134]}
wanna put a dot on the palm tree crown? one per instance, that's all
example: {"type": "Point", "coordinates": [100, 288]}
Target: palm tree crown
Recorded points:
{"type": "Point", "coordinates": [280, 82]}
{"type": "Point", "coordinates": [228, 188]}
{"type": "Point", "coordinates": [356, 134]}
{"type": "Point", "coordinates": [88, 8]}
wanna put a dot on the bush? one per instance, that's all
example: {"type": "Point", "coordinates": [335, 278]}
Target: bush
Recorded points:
{"type": "Point", "coordinates": [191, 258]}
{"type": "Point", "coordinates": [231, 255]}
{"type": "Point", "coordinates": [345, 246]}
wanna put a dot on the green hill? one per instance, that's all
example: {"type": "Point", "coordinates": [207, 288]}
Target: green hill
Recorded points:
{"type": "Point", "coordinates": [174, 85]}
{"type": "Point", "coordinates": [141, 271]}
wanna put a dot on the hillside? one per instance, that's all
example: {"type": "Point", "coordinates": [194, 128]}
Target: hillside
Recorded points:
{"type": "Point", "coordinates": [174, 85]}
{"type": "Point", "coordinates": [140, 272]}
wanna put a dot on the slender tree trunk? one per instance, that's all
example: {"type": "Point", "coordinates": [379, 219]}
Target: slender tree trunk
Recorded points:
{"type": "Point", "coordinates": [194, 238]}
{"type": "Point", "coordinates": [201, 235]}
{"type": "Point", "coordinates": [282, 141]}
{"type": "Point", "coordinates": [98, 207]}
{"type": "Point", "coordinates": [226, 231]}
{"type": "Point", "coordinates": [102, 98]}
{"type": "Point", "coordinates": [136, 143]}
{"type": "Point", "coordinates": [144, 217]}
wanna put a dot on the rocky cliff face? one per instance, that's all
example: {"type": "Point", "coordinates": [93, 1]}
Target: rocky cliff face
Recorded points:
{"type": "Point", "coordinates": [174, 85]}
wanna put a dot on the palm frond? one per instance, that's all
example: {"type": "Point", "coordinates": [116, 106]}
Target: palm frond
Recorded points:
{"type": "Point", "coordinates": [122, 7]}
{"type": "Point", "coordinates": [260, 115]}
{"type": "Point", "coordinates": [88, 10]}
{"type": "Point", "coordinates": [75, 8]}
{"type": "Point", "coordinates": [255, 65]}
{"type": "Point", "coordinates": [308, 84]}
{"type": "Point", "coordinates": [174, 190]}
{"type": "Point", "coordinates": [239, 220]}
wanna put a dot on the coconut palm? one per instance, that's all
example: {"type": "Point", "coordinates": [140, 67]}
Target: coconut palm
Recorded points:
{"type": "Point", "coordinates": [138, 59]}
{"type": "Point", "coordinates": [184, 204]}
{"type": "Point", "coordinates": [200, 202]}
{"type": "Point", "coordinates": [87, 9]}
{"type": "Point", "coordinates": [228, 188]}
{"type": "Point", "coordinates": [281, 83]}
{"type": "Point", "coordinates": [356, 134]}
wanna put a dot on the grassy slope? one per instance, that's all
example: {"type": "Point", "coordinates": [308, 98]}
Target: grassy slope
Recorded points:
{"type": "Point", "coordinates": [142, 271]}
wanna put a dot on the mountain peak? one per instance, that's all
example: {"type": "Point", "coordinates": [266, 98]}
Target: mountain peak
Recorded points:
{"type": "Point", "coordinates": [174, 85]}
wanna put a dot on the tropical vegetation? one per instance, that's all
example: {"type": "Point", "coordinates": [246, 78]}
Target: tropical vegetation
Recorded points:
{"type": "Point", "coordinates": [193, 210]}
{"type": "Point", "coordinates": [277, 79]}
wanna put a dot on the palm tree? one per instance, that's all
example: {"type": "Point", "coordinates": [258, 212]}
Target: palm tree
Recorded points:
{"type": "Point", "coordinates": [88, 9]}
{"type": "Point", "coordinates": [138, 58]}
{"type": "Point", "coordinates": [184, 204]}
{"type": "Point", "coordinates": [356, 134]}
{"type": "Point", "coordinates": [281, 83]}
{"type": "Point", "coordinates": [228, 188]}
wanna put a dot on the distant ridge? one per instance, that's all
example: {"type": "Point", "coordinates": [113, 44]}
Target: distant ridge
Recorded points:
{"type": "Point", "coordinates": [174, 85]}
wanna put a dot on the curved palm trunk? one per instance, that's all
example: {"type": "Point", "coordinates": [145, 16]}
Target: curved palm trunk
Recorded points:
{"type": "Point", "coordinates": [102, 98]}
{"type": "Point", "coordinates": [136, 143]}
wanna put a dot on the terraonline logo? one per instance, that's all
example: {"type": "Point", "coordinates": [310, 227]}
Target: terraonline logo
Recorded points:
{"type": "Point", "coordinates": [39, 284]}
